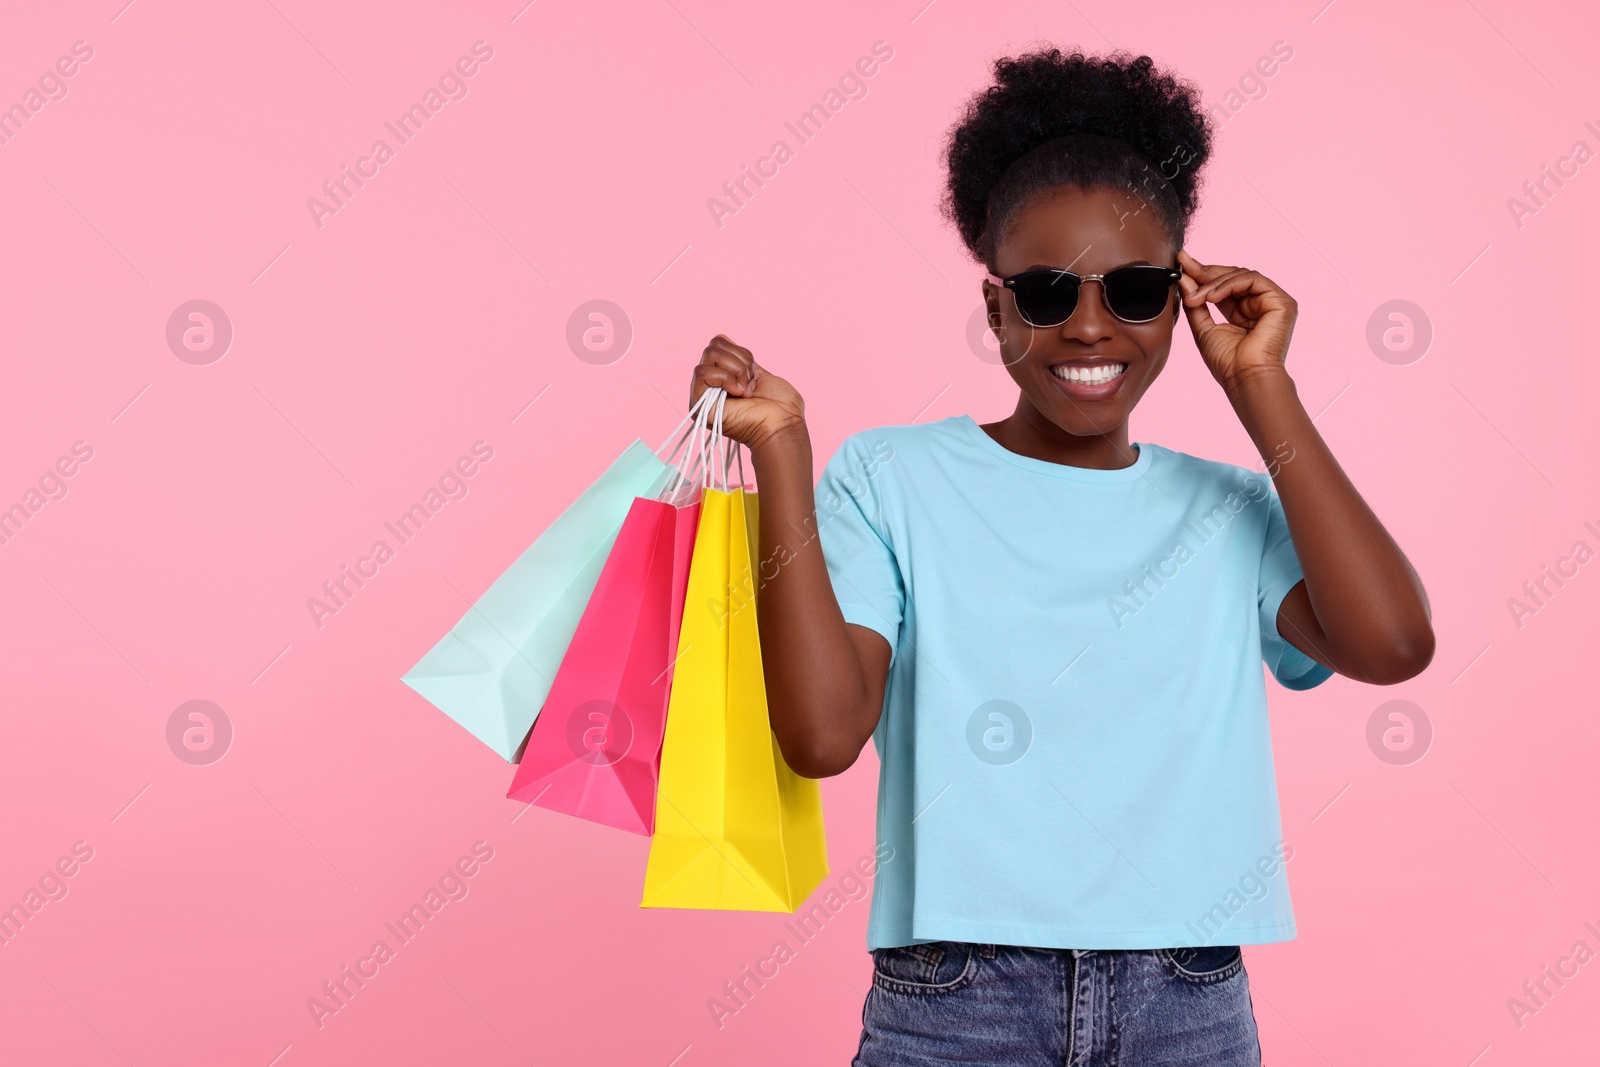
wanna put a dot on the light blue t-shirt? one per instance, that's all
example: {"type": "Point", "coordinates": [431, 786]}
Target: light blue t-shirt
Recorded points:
{"type": "Point", "coordinates": [1074, 741]}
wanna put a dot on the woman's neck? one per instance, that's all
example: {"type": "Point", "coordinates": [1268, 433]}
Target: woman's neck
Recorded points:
{"type": "Point", "coordinates": [1028, 433]}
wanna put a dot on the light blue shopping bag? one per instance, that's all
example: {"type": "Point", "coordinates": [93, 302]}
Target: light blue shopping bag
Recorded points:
{"type": "Point", "coordinates": [492, 671]}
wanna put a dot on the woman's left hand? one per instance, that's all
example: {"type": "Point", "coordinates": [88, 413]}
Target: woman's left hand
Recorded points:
{"type": "Point", "coordinates": [1260, 319]}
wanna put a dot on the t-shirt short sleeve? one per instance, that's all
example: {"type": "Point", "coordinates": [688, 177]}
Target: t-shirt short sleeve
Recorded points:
{"type": "Point", "coordinates": [1280, 572]}
{"type": "Point", "coordinates": [851, 522]}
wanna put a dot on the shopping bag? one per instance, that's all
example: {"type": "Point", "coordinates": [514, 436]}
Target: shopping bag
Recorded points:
{"type": "Point", "coordinates": [596, 744]}
{"type": "Point", "coordinates": [492, 671]}
{"type": "Point", "coordinates": [735, 828]}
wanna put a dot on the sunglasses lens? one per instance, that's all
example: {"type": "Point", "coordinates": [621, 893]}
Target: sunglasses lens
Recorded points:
{"type": "Point", "coordinates": [1138, 294]}
{"type": "Point", "coordinates": [1046, 298]}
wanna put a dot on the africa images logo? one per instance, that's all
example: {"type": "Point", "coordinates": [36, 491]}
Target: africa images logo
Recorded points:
{"type": "Point", "coordinates": [452, 85]}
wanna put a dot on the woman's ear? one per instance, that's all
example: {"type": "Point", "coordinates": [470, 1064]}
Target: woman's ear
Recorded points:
{"type": "Point", "coordinates": [991, 300]}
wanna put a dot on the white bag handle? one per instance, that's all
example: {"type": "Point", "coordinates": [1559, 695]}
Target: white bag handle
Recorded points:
{"type": "Point", "coordinates": [686, 472]}
{"type": "Point", "coordinates": [715, 441]}
{"type": "Point", "coordinates": [689, 418]}
{"type": "Point", "coordinates": [730, 448]}
{"type": "Point", "coordinates": [703, 440]}
{"type": "Point", "coordinates": [706, 433]}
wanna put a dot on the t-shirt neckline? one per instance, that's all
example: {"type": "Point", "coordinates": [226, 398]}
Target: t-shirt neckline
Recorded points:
{"type": "Point", "coordinates": [1136, 469]}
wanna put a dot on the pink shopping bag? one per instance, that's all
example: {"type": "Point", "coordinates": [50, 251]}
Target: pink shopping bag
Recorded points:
{"type": "Point", "coordinates": [595, 749]}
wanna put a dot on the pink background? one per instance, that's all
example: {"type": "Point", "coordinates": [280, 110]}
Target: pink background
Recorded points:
{"type": "Point", "coordinates": [369, 353]}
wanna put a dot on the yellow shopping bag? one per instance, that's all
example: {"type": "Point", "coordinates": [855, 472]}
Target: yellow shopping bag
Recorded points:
{"type": "Point", "coordinates": [736, 829]}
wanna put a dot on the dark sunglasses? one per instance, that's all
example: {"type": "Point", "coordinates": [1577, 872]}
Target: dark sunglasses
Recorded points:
{"type": "Point", "coordinates": [1048, 297]}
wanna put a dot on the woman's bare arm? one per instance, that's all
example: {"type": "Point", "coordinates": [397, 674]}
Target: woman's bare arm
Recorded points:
{"type": "Point", "coordinates": [825, 677]}
{"type": "Point", "coordinates": [1361, 609]}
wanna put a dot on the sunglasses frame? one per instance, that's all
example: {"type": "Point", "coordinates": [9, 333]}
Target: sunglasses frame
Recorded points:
{"type": "Point", "coordinates": [1173, 274]}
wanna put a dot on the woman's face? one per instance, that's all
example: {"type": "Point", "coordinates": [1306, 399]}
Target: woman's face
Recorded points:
{"type": "Point", "coordinates": [1091, 232]}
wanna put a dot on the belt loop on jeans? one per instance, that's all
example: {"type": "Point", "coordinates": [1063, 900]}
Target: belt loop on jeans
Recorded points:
{"type": "Point", "coordinates": [986, 951]}
{"type": "Point", "coordinates": [1077, 952]}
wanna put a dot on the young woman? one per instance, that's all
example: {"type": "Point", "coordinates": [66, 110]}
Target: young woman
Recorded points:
{"type": "Point", "coordinates": [1055, 635]}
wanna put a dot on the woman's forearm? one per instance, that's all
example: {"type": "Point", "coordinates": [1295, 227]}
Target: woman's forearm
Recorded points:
{"type": "Point", "coordinates": [817, 692]}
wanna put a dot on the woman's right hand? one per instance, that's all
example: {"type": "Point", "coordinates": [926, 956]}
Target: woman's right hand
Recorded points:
{"type": "Point", "coordinates": [760, 405]}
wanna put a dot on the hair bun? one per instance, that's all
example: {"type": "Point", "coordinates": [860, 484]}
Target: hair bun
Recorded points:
{"type": "Point", "coordinates": [1121, 123]}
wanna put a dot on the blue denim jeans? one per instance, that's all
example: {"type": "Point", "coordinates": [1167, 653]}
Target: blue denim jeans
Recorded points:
{"type": "Point", "coordinates": [949, 1002]}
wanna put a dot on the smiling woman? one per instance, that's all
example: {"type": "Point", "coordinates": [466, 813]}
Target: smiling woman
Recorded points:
{"type": "Point", "coordinates": [1085, 336]}
{"type": "Point", "coordinates": [1108, 778]}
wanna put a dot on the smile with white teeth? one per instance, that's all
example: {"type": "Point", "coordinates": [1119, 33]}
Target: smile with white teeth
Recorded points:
{"type": "Point", "coordinates": [1091, 375]}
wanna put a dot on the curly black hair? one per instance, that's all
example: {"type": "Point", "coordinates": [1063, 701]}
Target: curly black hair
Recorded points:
{"type": "Point", "coordinates": [1054, 119]}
